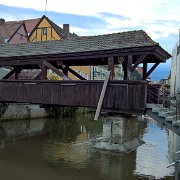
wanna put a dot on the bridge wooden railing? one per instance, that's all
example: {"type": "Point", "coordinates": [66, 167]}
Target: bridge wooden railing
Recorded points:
{"type": "Point", "coordinates": [121, 96]}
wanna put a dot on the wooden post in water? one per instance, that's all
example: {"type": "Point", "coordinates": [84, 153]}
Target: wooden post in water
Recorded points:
{"type": "Point", "coordinates": [102, 95]}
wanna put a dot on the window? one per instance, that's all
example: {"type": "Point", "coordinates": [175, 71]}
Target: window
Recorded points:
{"type": "Point", "coordinates": [44, 31]}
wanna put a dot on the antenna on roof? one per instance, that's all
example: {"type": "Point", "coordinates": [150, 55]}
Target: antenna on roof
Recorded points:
{"type": "Point", "coordinates": [45, 8]}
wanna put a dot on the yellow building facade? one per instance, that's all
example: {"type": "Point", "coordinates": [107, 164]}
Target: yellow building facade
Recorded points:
{"type": "Point", "coordinates": [44, 31]}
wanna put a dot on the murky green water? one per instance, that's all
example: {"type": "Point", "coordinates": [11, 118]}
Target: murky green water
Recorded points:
{"type": "Point", "coordinates": [65, 153]}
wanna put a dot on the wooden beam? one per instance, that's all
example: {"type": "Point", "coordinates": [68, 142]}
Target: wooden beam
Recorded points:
{"type": "Point", "coordinates": [144, 70]}
{"type": "Point", "coordinates": [17, 72]}
{"type": "Point", "coordinates": [102, 95]}
{"type": "Point", "coordinates": [141, 58]}
{"type": "Point", "coordinates": [9, 74]}
{"type": "Point", "coordinates": [124, 64]}
{"type": "Point", "coordinates": [43, 74]}
{"type": "Point", "coordinates": [75, 73]}
{"type": "Point", "coordinates": [65, 71]}
{"type": "Point", "coordinates": [152, 69]}
{"type": "Point", "coordinates": [37, 77]}
{"type": "Point", "coordinates": [111, 67]}
{"type": "Point", "coordinates": [50, 66]}
{"type": "Point", "coordinates": [70, 70]}
{"type": "Point", "coordinates": [129, 66]}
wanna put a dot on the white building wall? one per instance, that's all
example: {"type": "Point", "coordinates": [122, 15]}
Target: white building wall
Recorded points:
{"type": "Point", "coordinates": [175, 72]}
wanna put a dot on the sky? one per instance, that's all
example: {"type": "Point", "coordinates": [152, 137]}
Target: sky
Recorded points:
{"type": "Point", "coordinates": [159, 18]}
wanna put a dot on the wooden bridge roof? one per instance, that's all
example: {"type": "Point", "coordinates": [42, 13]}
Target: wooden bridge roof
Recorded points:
{"type": "Point", "coordinates": [85, 47]}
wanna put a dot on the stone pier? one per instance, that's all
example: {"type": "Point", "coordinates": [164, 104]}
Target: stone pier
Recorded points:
{"type": "Point", "coordinates": [120, 134]}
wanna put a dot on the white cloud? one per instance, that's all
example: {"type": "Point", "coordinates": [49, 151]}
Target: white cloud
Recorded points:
{"type": "Point", "coordinates": [139, 9]}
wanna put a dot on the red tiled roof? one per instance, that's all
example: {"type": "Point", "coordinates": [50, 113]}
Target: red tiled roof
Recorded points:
{"type": "Point", "coordinates": [30, 24]}
{"type": "Point", "coordinates": [9, 27]}
{"type": "Point", "coordinates": [139, 70]}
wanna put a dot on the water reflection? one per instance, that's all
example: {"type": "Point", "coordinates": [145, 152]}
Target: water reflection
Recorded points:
{"type": "Point", "coordinates": [66, 152]}
{"type": "Point", "coordinates": [173, 146]}
{"type": "Point", "coordinates": [152, 157]}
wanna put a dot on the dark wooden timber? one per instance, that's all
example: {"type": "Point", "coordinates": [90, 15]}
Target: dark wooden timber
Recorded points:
{"type": "Point", "coordinates": [111, 67]}
{"type": "Point", "coordinates": [94, 57]}
{"type": "Point", "coordinates": [152, 69]}
{"type": "Point", "coordinates": [17, 72]}
{"type": "Point", "coordinates": [144, 70]}
{"type": "Point", "coordinates": [9, 74]}
{"type": "Point", "coordinates": [141, 58]}
{"type": "Point", "coordinates": [129, 66]}
{"type": "Point", "coordinates": [50, 66]}
{"type": "Point", "coordinates": [124, 64]}
{"type": "Point", "coordinates": [75, 73]}
{"type": "Point", "coordinates": [43, 74]}
{"type": "Point", "coordinates": [65, 71]}
{"type": "Point", "coordinates": [121, 96]}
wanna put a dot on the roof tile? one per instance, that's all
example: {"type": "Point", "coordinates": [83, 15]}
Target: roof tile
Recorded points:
{"type": "Point", "coordinates": [121, 40]}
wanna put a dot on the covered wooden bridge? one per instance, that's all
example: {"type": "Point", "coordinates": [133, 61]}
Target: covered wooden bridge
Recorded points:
{"type": "Point", "coordinates": [124, 96]}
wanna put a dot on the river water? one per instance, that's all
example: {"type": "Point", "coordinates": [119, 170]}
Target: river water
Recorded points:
{"type": "Point", "coordinates": [48, 149]}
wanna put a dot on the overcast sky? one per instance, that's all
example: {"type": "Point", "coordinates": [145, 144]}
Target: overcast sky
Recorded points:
{"type": "Point", "coordinates": [159, 18]}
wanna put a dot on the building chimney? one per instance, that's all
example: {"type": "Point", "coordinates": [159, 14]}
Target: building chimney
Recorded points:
{"type": "Point", "coordinates": [66, 30]}
{"type": "Point", "coordinates": [2, 21]}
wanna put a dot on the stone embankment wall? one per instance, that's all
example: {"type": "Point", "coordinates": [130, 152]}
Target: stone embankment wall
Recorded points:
{"type": "Point", "coordinates": [21, 111]}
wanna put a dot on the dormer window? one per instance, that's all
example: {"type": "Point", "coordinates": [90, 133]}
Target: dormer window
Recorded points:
{"type": "Point", "coordinates": [44, 31]}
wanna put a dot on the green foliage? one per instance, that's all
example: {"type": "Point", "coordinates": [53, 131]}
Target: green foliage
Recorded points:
{"type": "Point", "coordinates": [66, 129]}
{"type": "Point", "coordinates": [65, 111]}
{"type": "Point", "coordinates": [59, 111]}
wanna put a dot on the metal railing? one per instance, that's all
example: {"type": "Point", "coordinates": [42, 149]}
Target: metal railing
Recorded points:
{"type": "Point", "coordinates": [162, 98]}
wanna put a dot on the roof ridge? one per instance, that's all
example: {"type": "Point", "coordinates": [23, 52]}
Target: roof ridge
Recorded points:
{"type": "Point", "coordinates": [93, 36]}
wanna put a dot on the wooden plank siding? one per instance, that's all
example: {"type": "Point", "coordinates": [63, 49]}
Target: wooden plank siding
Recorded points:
{"type": "Point", "coordinates": [121, 96]}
